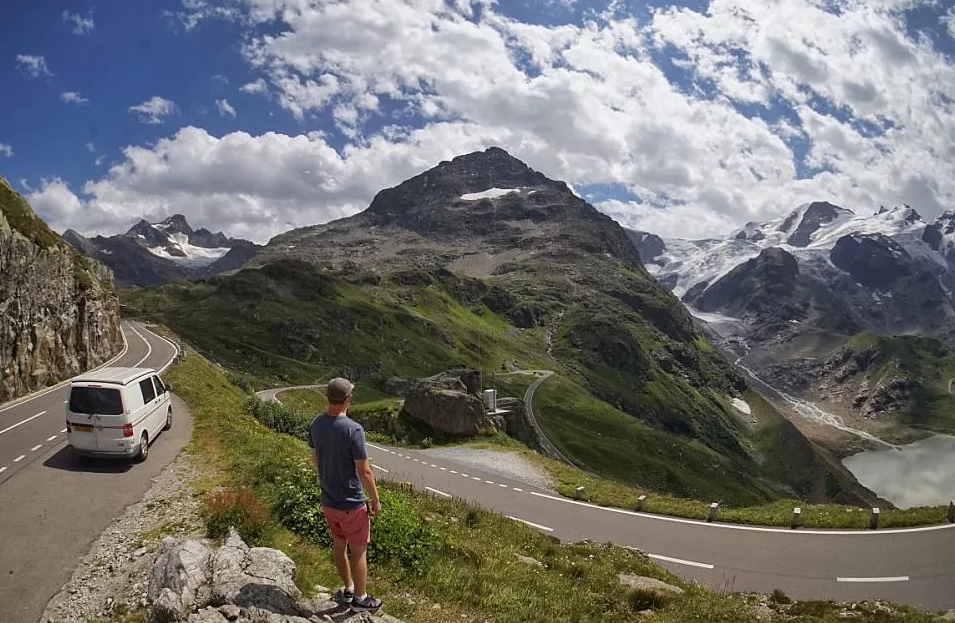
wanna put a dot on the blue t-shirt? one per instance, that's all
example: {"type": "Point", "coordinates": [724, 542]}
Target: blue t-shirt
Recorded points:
{"type": "Point", "coordinates": [339, 441]}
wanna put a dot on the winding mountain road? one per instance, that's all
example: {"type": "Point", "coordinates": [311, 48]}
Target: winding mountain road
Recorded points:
{"type": "Point", "coordinates": [915, 566]}
{"type": "Point", "coordinates": [271, 395]}
{"type": "Point", "coordinates": [52, 505]}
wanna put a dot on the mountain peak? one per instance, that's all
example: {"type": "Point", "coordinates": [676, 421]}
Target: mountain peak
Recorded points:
{"type": "Point", "coordinates": [810, 219]}
{"type": "Point", "coordinates": [175, 224]}
{"type": "Point", "coordinates": [476, 172]}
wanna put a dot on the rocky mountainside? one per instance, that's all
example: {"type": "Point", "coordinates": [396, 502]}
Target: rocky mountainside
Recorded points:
{"type": "Point", "coordinates": [545, 258]}
{"type": "Point", "coordinates": [793, 297]}
{"type": "Point", "coordinates": [889, 271]}
{"type": "Point", "coordinates": [482, 262]}
{"type": "Point", "coordinates": [151, 253]}
{"type": "Point", "coordinates": [59, 314]}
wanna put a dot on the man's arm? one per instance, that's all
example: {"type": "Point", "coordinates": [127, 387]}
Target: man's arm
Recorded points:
{"type": "Point", "coordinates": [368, 481]}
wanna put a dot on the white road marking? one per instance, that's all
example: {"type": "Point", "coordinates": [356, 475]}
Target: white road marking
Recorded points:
{"type": "Point", "coordinates": [475, 478]}
{"type": "Point", "coordinates": [490, 482]}
{"type": "Point", "coordinates": [65, 401]}
{"type": "Point", "coordinates": [505, 486]}
{"type": "Point", "coordinates": [531, 524]}
{"type": "Point", "coordinates": [453, 472]}
{"type": "Point", "coordinates": [444, 469]}
{"type": "Point", "coordinates": [9, 428]}
{"type": "Point", "coordinates": [51, 438]}
{"type": "Point", "coordinates": [380, 468]}
{"type": "Point", "coordinates": [435, 491]}
{"type": "Point", "coordinates": [149, 347]}
{"type": "Point", "coordinates": [36, 447]}
{"type": "Point", "coordinates": [680, 561]}
{"type": "Point", "coordinates": [516, 489]}
{"type": "Point", "coordinates": [63, 431]}
{"type": "Point", "coordinates": [900, 578]}
{"type": "Point", "coordinates": [19, 458]}
{"type": "Point", "coordinates": [726, 526]}
{"type": "Point", "coordinates": [432, 465]}
{"type": "Point", "coordinates": [465, 475]}
{"type": "Point", "coordinates": [3, 469]}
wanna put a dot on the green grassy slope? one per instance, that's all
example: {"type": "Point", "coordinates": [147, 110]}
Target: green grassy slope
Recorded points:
{"type": "Point", "coordinates": [927, 362]}
{"type": "Point", "coordinates": [472, 573]}
{"type": "Point", "coordinates": [291, 323]}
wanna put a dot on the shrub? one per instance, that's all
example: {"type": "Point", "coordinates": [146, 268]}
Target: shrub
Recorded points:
{"type": "Point", "coordinates": [780, 598]}
{"type": "Point", "coordinates": [279, 417]}
{"type": "Point", "coordinates": [239, 508]}
{"type": "Point", "coordinates": [398, 534]}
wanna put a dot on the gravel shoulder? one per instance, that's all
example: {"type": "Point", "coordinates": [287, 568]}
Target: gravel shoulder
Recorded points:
{"type": "Point", "coordinates": [112, 579]}
{"type": "Point", "coordinates": [509, 464]}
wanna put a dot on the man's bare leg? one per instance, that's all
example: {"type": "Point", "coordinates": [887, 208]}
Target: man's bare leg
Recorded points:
{"type": "Point", "coordinates": [359, 566]}
{"type": "Point", "coordinates": [339, 547]}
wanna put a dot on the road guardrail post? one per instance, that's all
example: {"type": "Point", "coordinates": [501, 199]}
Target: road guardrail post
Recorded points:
{"type": "Point", "coordinates": [874, 522]}
{"type": "Point", "coordinates": [579, 493]}
{"type": "Point", "coordinates": [797, 518]}
{"type": "Point", "coordinates": [641, 502]}
{"type": "Point", "coordinates": [951, 512]}
{"type": "Point", "coordinates": [714, 508]}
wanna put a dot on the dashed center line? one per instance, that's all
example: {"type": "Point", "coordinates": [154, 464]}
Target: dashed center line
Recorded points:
{"type": "Point", "coordinates": [504, 486]}
{"type": "Point", "coordinates": [444, 469]}
{"type": "Point", "coordinates": [3, 469]}
{"type": "Point", "coordinates": [520, 490]}
{"type": "Point", "coordinates": [51, 438]}
{"type": "Point", "coordinates": [432, 465]}
{"type": "Point", "coordinates": [531, 524]}
{"type": "Point", "coordinates": [475, 478]}
{"type": "Point", "coordinates": [63, 431]}
{"type": "Point", "coordinates": [36, 447]}
{"type": "Point", "coordinates": [380, 468]}
{"type": "Point", "coordinates": [19, 458]}
{"type": "Point", "coordinates": [490, 482]}
{"type": "Point", "coordinates": [453, 472]}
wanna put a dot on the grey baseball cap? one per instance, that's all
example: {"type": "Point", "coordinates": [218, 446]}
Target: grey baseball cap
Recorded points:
{"type": "Point", "coordinates": [338, 389]}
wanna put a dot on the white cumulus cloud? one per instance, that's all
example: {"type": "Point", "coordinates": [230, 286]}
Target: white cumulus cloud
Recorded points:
{"type": "Point", "coordinates": [82, 24]}
{"type": "Point", "coordinates": [6, 150]}
{"type": "Point", "coordinates": [154, 110]}
{"type": "Point", "coordinates": [225, 108]}
{"type": "Point", "coordinates": [258, 86]}
{"type": "Point", "coordinates": [73, 97]}
{"type": "Point", "coordinates": [776, 103]}
{"type": "Point", "coordinates": [33, 65]}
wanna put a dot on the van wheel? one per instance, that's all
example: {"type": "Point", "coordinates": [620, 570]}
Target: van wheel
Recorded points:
{"type": "Point", "coordinates": [168, 419]}
{"type": "Point", "coordinates": [143, 448]}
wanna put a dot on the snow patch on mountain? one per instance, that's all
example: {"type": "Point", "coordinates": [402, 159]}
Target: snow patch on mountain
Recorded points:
{"type": "Point", "coordinates": [189, 255]}
{"type": "Point", "coordinates": [490, 193]}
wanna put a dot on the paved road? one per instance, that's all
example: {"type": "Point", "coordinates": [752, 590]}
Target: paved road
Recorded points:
{"type": "Point", "coordinates": [272, 394]}
{"type": "Point", "coordinates": [52, 506]}
{"type": "Point", "coordinates": [908, 566]}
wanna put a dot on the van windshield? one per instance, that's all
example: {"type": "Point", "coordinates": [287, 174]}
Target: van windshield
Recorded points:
{"type": "Point", "coordinates": [98, 400]}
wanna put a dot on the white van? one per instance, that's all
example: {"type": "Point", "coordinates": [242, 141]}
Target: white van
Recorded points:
{"type": "Point", "coordinates": [117, 412]}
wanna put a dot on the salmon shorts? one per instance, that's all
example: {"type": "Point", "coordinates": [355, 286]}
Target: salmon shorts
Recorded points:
{"type": "Point", "coordinates": [352, 526]}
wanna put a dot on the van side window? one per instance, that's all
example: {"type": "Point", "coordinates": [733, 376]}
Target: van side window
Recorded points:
{"type": "Point", "coordinates": [149, 392]}
{"type": "Point", "coordinates": [160, 388]}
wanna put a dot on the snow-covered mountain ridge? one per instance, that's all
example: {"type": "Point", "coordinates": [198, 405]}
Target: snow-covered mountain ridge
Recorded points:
{"type": "Point", "coordinates": [810, 233]}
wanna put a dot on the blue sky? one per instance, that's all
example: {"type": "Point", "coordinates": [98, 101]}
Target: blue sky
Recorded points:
{"type": "Point", "coordinates": [677, 118]}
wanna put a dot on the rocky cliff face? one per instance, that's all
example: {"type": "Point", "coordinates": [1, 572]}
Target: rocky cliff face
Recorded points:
{"type": "Point", "coordinates": [59, 313]}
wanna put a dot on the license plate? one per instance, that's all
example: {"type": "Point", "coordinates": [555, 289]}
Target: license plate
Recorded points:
{"type": "Point", "coordinates": [82, 428]}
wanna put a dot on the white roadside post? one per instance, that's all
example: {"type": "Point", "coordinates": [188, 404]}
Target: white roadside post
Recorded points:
{"type": "Point", "coordinates": [579, 493]}
{"type": "Point", "coordinates": [714, 508]}
{"type": "Point", "coordinates": [951, 512]}
{"type": "Point", "coordinates": [641, 503]}
{"type": "Point", "coordinates": [874, 522]}
{"type": "Point", "coordinates": [797, 518]}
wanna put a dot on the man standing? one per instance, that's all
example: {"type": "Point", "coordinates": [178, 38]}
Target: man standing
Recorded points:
{"type": "Point", "coordinates": [343, 468]}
